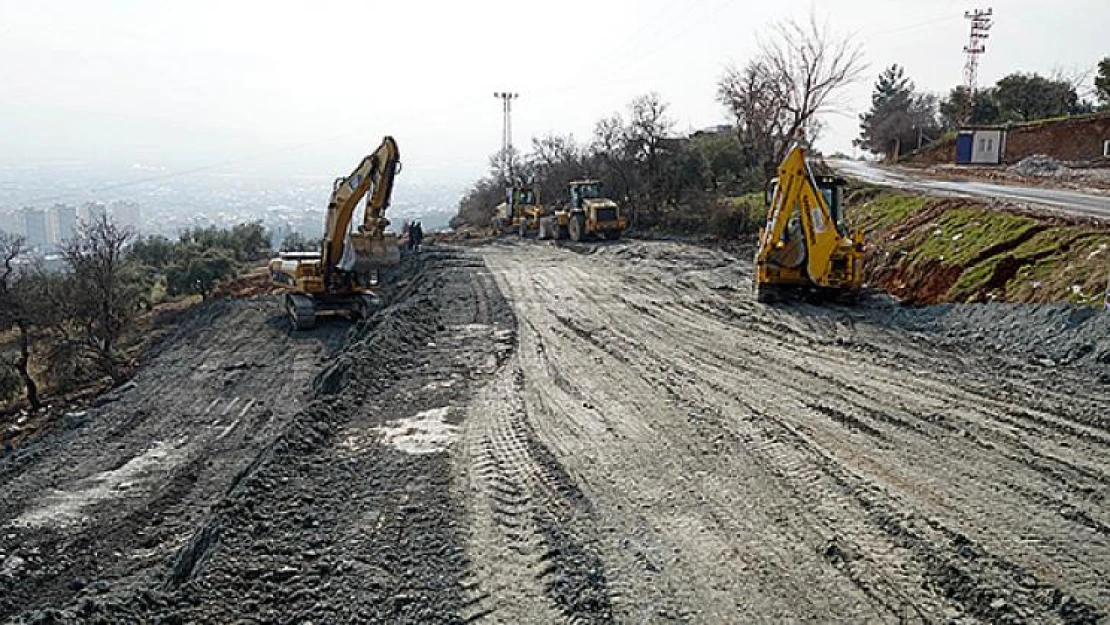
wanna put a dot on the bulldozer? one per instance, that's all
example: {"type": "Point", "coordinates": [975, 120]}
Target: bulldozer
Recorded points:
{"type": "Point", "coordinates": [587, 213]}
{"type": "Point", "coordinates": [342, 278]}
{"type": "Point", "coordinates": [520, 212]}
{"type": "Point", "coordinates": [806, 246]}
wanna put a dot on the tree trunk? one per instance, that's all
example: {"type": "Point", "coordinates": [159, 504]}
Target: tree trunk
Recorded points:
{"type": "Point", "coordinates": [23, 366]}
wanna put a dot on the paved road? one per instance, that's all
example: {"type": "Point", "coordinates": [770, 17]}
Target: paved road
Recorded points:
{"type": "Point", "coordinates": [1071, 202]}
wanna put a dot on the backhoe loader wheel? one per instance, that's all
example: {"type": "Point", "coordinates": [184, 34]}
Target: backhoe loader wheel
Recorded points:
{"type": "Point", "coordinates": [577, 227]}
{"type": "Point", "coordinates": [612, 235]}
{"type": "Point", "coordinates": [764, 294]}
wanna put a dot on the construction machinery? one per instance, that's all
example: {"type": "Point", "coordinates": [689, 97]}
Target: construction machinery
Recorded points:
{"type": "Point", "coordinates": [342, 278]}
{"type": "Point", "coordinates": [806, 245]}
{"type": "Point", "coordinates": [520, 212]}
{"type": "Point", "coordinates": [588, 213]}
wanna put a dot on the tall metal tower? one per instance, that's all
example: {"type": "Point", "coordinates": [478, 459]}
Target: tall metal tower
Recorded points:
{"type": "Point", "coordinates": [507, 98]}
{"type": "Point", "coordinates": [981, 23]}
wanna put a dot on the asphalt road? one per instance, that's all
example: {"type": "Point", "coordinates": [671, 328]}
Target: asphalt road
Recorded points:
{"type": "Point", "coordinates": [1070, 202]}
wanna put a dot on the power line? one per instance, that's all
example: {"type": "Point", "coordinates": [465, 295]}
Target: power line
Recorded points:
{"type": "Point", "coordinates": [981, 23]}
{"type": "Point", "coordinates": [506, 98]}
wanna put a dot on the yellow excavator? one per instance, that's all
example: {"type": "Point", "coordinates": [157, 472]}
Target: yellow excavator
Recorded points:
{"type": "Point", "coordinates": [342, 278]}
{"type": "Point", "coordinates": [806, 246]}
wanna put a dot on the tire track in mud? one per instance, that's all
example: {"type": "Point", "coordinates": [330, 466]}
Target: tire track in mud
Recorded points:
{"type": "Point", "coordinates": [529, 525]}
{"type": "Point", "coordinates": [905, 533]}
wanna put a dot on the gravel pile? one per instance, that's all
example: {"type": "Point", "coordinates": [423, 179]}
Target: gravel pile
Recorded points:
{"type": "Point", "coordinates": [1048, 334]}
{"type": "Point", "coordinates": [1040, 165]}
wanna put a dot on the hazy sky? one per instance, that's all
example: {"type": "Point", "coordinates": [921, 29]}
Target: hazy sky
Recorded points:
{"type": "Point", "coordinates": [310, 86]}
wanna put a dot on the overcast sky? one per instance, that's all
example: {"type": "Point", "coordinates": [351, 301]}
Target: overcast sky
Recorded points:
{"type": "Point", "coordinates": [308, 87]}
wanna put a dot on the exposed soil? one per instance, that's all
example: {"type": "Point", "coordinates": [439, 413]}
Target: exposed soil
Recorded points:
{"type": "Point", "coordinates": [583, 433]}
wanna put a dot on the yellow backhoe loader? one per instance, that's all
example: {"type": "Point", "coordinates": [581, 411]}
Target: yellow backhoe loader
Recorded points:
{"type": "Point", "coordinates": [342, 278]}
{"type": "Point", "coordinates": [806, 247]}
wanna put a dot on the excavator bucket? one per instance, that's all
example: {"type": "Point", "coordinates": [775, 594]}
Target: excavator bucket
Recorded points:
{"type": "Point", "coordinates": [375, 252]}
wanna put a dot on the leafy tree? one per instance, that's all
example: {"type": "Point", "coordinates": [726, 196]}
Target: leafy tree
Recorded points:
{"type": "Point", "coordinates": [722, 157]}
{"type": "Point", "coordinates": [898, 115]}
{"type": "Point", "coordinates": [297, 242]}
{"type": "Point", "coordinates": [1102, 82]}
{"type": "Point", "coordinates": [245, 242]}
{"type": "Point", "coordinates": [1028, 97]}
{"type": "Point", "coordinates": [985, 108]}
{"type": "Point", "coordinates": [154, 251]}
{"type": "Point", "coordinates": [197, 271]}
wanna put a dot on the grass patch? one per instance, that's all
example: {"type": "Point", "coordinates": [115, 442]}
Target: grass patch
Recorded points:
{"type": "Point", "coordinates": [963, 235]}
{"type": "Point", "coordinates": [884, 210]}
{"type": "Point", "coordinates": [1070, 265]}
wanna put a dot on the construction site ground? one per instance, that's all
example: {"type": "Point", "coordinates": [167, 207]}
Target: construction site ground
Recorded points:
{"type": "Point", "coordinates": [534, 433]}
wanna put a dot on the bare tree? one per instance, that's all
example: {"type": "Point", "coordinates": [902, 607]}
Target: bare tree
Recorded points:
{"type": "Point", "coordinates": [555, 159]}
{"type": "Point", "coordinates": [14, 313]}
{"type": "Point", "coordinates": [1081, 80]}
{"type": "Point", "coordinates": [648, 129]}
{"type": "Point", "coordinates": [109, 291]}
{"type": "Point", "coordinates": [609, 150]}
{"type": "Point", "coordinates": [795, 77]}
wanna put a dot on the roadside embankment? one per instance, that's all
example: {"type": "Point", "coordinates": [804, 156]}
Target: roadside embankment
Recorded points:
{"type": "Point", "coordinates": [928, 251]}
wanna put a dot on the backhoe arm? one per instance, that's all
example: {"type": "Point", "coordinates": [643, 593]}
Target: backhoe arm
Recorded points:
{"type": "Point", "coordinates": [797, 190]}
{"type": "Point", "coordinates": [375, 175]}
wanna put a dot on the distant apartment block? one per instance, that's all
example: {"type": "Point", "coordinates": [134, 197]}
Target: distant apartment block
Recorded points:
{"type": "Point", "coordinates": [126, 213]}
{"type": "Point", "coordinates": [11, 223]}
{"type": "Point", "coordinates": [35, 228]}
{"type": "Point", "coordinates": [92, 211]}
{"type": "Point", "coordinates": [61, 222]}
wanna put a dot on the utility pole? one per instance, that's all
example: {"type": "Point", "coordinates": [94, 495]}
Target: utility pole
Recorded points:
{"type": "Point", "coordinates": [507, 98]}
{"type": "Point", "coordinates": [981, 23]}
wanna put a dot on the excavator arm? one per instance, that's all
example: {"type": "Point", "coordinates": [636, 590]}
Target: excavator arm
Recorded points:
{"type": "Point", "coordinates": [797, 196]}
{"type": "Point", "coordinates": [373, 176]}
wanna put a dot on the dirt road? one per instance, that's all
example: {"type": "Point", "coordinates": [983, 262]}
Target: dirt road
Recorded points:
{"type": "Point", "coordinates": [598, 433]}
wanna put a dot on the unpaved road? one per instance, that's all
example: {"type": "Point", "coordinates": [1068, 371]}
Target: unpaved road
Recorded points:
{"type": "Point", "coordinates": [1059, 200]}
{"type": "Point", "coordinates": [590, 433]}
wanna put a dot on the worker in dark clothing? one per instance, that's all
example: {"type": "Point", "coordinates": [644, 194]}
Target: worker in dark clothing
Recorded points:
{"type": "Point", "coordinates": [416, 231]}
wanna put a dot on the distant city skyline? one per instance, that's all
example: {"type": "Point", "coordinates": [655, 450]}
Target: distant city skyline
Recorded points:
{"type": "Point", "coordinates": [169, 205]}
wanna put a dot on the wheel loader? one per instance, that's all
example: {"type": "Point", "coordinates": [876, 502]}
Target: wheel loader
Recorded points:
{"type": "Point", "coordinates": [587, 213]}
{"type": "Point", "coordinates": [806, 248]}
{"type": "Point", "coordinates": [342, 278]}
